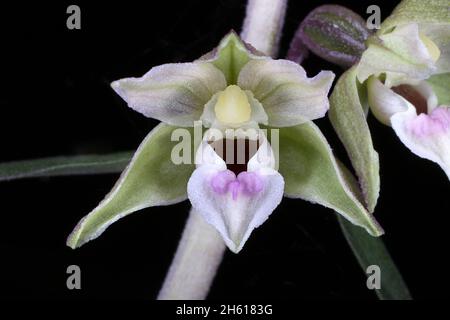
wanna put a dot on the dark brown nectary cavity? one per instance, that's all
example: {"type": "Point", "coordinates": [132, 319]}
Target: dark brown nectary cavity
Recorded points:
{"type": "Point", "coordinates": [413, 96]}
{"type": "Point", "coordinates": [235, 152]}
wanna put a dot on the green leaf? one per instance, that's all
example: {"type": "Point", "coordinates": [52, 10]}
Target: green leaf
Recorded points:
{"type": "Point", "coordinates": [441, 87]}
{"type": "Point", "coordinates": [151, 179]}
{"type": "Point", "coordinates": [418, 11]}
{"type": "Point", "coordinates": [348, 117]}
{"type": "Point", "coordinates": [372, 251]}
{"type": "Point", "coordinates": [311, 172]}
{"type": "Point", "coordinates": [231, 55]}
{"type": "Point", "coordinates": [63, 166]}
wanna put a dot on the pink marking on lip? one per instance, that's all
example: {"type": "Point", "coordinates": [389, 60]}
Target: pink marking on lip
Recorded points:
{"type": "Point", "coordinates": [252, 182]}
{"type": "Point", "coordinates": [247, 183]}
{"type": "Point", "coordinates": [437, 122]}
{"type": "Point", "coordinates": [235, 187]}
{"type": "Point", "coordinates": [221, 181]}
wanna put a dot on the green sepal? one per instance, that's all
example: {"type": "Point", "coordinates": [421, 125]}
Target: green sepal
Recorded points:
{"type": "Point", "coordinates": [441, 87]}
{"type": "Point", "coordinates": [231, 55]}
{"type": "Point", "coordinates": [417, 11]}
{"type": "Point", "coordinates": [311, 172]}
{"type": "Point", "coordinates": [151, 179]}
{"type": "Point", "coordinates": [348, 115]}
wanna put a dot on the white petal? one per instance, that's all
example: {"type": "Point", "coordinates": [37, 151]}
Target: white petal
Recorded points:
{"type": "Point", "coordinates": [173, 93]}
{"type": "Point", "coordinates": [427, 136]}
{"type": "Point", "coordinates": [288, 96]}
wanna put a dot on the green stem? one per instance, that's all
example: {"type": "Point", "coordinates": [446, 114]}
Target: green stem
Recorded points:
{"type": "Point", "coordinates": [196, 261]}
{"type": "Point", "coordinates": [263, 23]}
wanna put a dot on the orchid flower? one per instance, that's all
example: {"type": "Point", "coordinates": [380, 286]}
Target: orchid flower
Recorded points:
{"type": "Point", "coordinates": [394, 72]}
{"type": "Point", "coordinates": [416, 117]}
{"type": "Point", "coordinates": [392, 76]}
{"type": "Point", "coordinates": [236, 88]}
{"type": "Point", "coordinates": [411, 46]}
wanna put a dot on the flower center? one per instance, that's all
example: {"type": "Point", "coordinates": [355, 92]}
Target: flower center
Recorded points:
{"type": "Point", "coordinates": [232, 106]}
{"type": "Point", "coordinates": [236, 152]}
{"type": "Point", "coordinates": [413, 96]}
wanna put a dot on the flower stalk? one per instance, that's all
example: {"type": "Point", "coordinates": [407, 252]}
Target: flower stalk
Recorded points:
{"type": "Point", "coordinates": [263, 23]}
{"type": "Point", "coordinates": [195, 263]}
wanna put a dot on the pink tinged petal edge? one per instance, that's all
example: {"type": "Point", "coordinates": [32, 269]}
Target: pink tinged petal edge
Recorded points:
{"type": "Point", "coordinates": [436, 123]}
{"type": "Point", "coordinates": [427, 136]}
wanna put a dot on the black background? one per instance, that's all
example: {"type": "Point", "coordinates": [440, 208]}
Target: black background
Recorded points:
{"type": "Point", "coordinates": [55, 99]}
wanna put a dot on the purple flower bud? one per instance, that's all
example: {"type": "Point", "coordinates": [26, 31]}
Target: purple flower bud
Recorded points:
{"type": "Point", "coordinates": [334, 33]}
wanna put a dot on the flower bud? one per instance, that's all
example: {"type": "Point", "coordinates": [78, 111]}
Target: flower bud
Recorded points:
{"type": "Point", "coordinates": [335, 34]}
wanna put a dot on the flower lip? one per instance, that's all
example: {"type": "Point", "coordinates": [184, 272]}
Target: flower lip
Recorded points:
{"type": "Point", "coordinates": [426, 135]}
{"type": "Point", "coordinates": [236, 202]}
{"type": "Point", "coordinates": [437, 122]}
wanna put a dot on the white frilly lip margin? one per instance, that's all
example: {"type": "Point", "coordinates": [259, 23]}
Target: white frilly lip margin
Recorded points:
{"type": "Point", "coordinates": [426, 135]}
{"type": "Point", "coordinates": [235, 218]}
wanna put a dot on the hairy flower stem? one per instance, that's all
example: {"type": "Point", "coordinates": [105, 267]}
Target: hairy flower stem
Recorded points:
{"type": "Point", "coordinates": [263, 23]}
{"type": "Point", "coordinates": [195, 263]}
{"type": "Point", "coordinates": [201, 248]}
